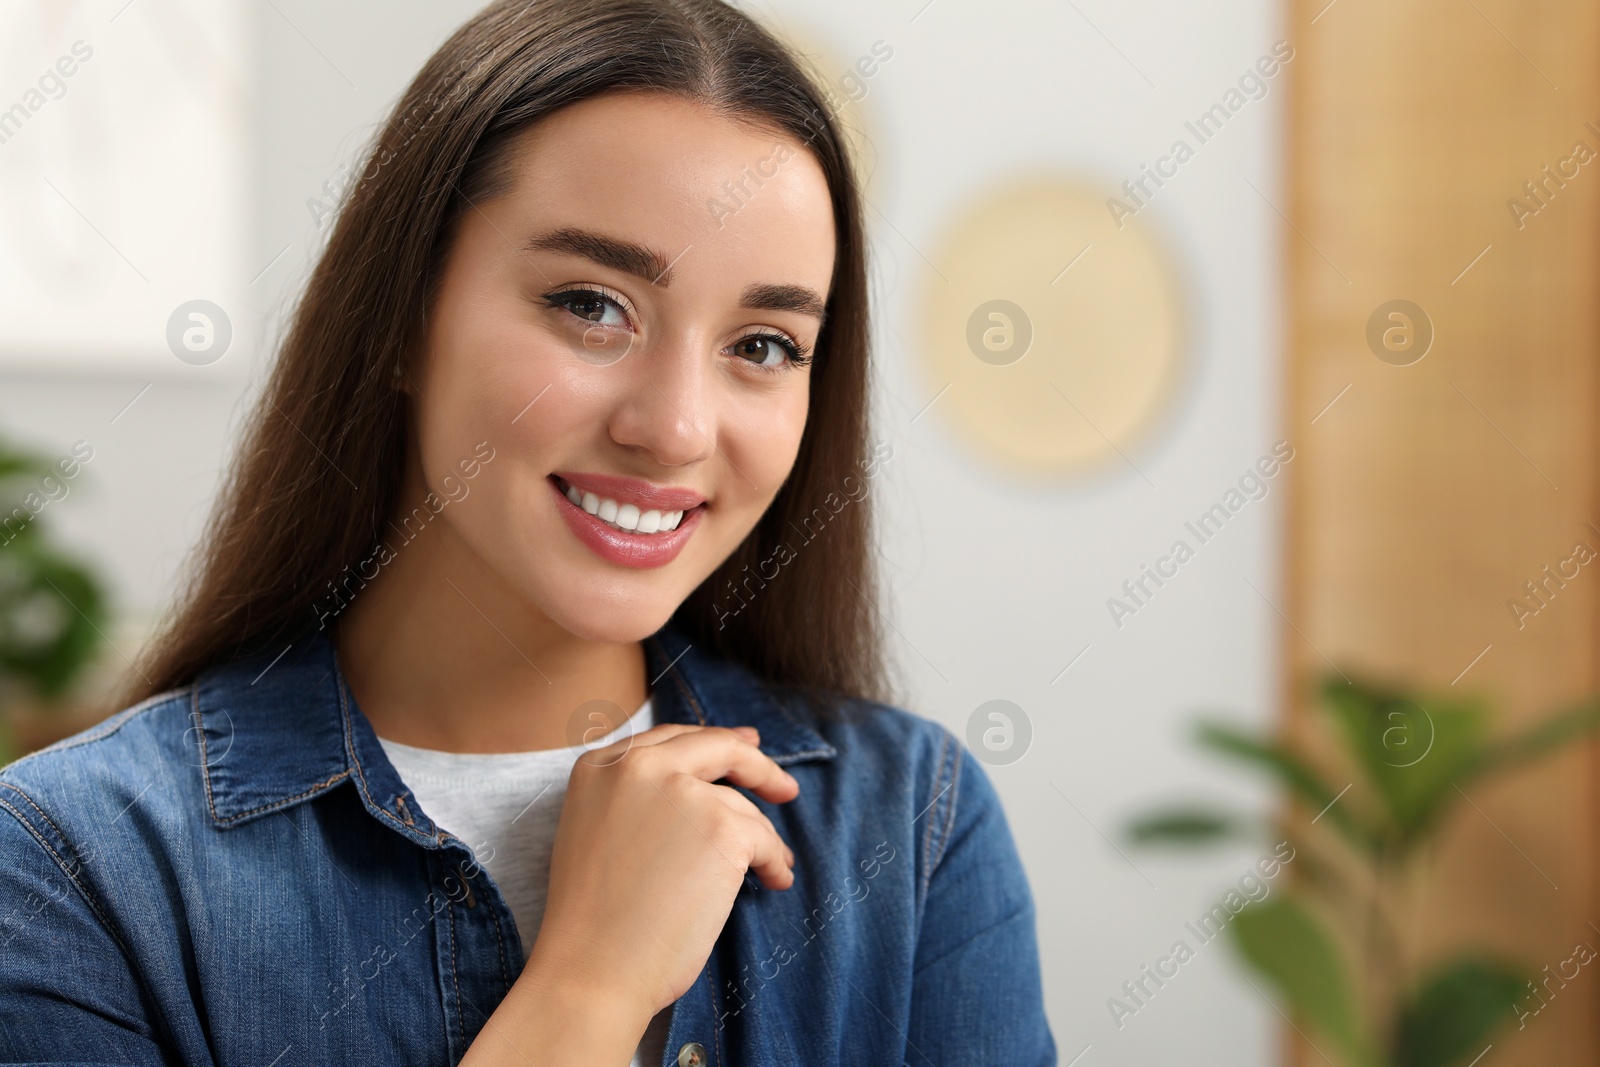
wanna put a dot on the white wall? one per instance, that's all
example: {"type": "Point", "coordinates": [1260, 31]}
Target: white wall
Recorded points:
{"type": "Point", "coordinates": [996, 583]}
{"type": "Point", "coordinates": [1000, 584]}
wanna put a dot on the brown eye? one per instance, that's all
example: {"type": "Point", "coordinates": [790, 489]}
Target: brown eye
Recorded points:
{"type": "Point", "coordinates": [589, 305]}
{"type": "Point", "coordinates": [593, 310]}
{"type": "Point", "coordinates": [769, 351]}
{"type": "Point", "coordinates": [758, 349]}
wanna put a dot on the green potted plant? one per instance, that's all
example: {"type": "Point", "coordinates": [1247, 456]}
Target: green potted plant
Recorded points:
{"type": "Point", "coordinates": [1330, 940]}
{"type": "Point", "coordinates": [52, 607]}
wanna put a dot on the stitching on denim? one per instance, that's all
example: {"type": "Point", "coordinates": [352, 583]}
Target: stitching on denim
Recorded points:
{"type": "Point", "coordinates": [44, 817]}
{"type": "Point", "coordinates": [205, 760]}
{"type": "Point", "coordinates": [782, 707]}
{"type": "Point", "coordinates": [716, 1031]}
{"type": "Point", "coordinates": [826, 752]}
{"type": "Point", "coordinates": [927, 831]}
{"type": "Point", "coordinates": [500, 943]}
{"type": "Point", "coordinates": [688, 694]}
{"type": "Point", "coordinates": [505, 973]}
{"type": "Point", "coordinates": [678, 680]}
{"type": "Point", "coordinates": [281, 802]}
{"type": "Point", "coordinates": [455, 978]}
{"type": "Point", "coordinates": [160, 1025]}
{"type": "Point", "coordinates": [88, 897]}
{"type": "Point", "coordinates": [951, 801]}
{"type": "Point", "coordinates": [790, 757]}
{"type": "Point", "coordinates": [104, 729]}
{"type": "Point", "coordinates": [350, 751]}
{"type": "Point", "coordinates": [949, 769]}
{"type": "Point", "coordinates": [205, 777]}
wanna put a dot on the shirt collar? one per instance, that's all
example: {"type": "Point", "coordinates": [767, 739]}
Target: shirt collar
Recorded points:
{"type": "Point", "coordinates": [277, 730]}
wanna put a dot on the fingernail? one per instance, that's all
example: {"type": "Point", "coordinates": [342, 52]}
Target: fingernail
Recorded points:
{"type": "Point", "coordinates": [747, 731]}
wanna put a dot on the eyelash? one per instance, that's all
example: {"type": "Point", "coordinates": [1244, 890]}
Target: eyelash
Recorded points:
{"type": "Point", "coordinates": [798, 355]}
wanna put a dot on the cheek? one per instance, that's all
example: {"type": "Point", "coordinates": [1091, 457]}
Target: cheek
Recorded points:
{"type": "Point", "coordinates": [495, 375]}
{"type": "Point", "coordinates": [763, 438]}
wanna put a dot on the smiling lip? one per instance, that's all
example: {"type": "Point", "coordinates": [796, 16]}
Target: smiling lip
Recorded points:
{"type": "Point", "coordinates": [642, 494]}
{"type": "Point", "coordinates": [626, 549]}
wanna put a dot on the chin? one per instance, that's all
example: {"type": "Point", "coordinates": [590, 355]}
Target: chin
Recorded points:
{"type": "Point", "coordinates": [605, 616]}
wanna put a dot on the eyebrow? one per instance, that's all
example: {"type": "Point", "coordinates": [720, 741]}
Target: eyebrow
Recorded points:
{"type": "Point", "coordinates": [655, 268]}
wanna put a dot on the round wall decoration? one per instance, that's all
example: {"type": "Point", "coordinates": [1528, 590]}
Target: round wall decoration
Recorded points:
{"type": "Point", "coordinates": [1053, 327]}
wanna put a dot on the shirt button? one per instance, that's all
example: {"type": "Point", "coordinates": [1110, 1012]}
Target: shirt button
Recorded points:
{"type": "Point", "coordinates": [692, 1055]}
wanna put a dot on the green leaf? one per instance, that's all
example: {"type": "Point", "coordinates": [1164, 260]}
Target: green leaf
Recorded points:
{"type": "Point", "coordinates": [1540, 740]}
{"type": "Point", "coordinates": [18, 470]}
{"type": "Point", "coordinates": [52, 613]}
{"type": "Point", "coordinates": [1293, 773]}
{"type": "Point", "coordinates": [1455, 1011]}
{"type": "Point", "coordinates": [1412, 749]}
{"type": "Point", "coordinates": [13, 464]}
{"type": "Point", "coordinates": [1287, 944]}
{"type": "Point", "coordinates": [1187, 826]}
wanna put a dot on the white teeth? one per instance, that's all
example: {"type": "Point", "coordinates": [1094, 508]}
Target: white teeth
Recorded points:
{"type": "Point", "coordinates": [624, 516]}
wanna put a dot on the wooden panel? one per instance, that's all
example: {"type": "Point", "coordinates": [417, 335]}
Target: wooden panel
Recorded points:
{"type": "Point", "coordinates": [1426, 495]}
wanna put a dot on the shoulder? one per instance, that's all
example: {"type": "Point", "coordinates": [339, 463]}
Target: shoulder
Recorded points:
{"type": "Point", "coordinates": [892, 759]}
{"type": "Point", "coordinates": [967, 863]}
{"type": "Point", "coordinates": [156, 721]}
{"type": "Point", "coordinates": [886, 739]}
{"type": "Point", "coordinates": [865, 736]}
{"type": "Point", "coordinates": [89, 779]}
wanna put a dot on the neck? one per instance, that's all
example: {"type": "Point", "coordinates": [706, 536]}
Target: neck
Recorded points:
{"type": "Point", "coordinates": [440, 654]}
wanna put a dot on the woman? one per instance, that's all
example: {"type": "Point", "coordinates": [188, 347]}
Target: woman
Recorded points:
{"type": "Point", "coordinates": [524, 706]}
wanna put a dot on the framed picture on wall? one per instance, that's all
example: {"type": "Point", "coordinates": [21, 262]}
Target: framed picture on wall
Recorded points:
{"type": "Point", "coordinates": [123, 186]}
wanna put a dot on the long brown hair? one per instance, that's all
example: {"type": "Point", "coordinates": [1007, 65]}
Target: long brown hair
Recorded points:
{"type": "Point", "coordinates": [319, 471]}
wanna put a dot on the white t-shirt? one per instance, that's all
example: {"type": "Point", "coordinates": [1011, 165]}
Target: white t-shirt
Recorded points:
{"type": "Point", "coordinates": [506, 806]}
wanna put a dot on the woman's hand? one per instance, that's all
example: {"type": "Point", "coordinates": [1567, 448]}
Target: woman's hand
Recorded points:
{"type": "Point", "coordinates": [648, 857]}
{"type": "Point", "coordinates": [649, 854]}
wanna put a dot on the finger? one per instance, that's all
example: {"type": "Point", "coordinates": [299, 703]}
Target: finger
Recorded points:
{"type": "Point", "coordinates": [745, 806]}
{"type": "Point", "coordinates": [607, 755]}
{"type": "Point", "coordinates": [662, 731]}
{"type": "Point", "coordinates": [716, 752]}
{"type": "Point", "coordinates": [768, 855]}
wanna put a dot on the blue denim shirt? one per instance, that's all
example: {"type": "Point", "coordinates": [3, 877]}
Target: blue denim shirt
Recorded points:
{"type": "Point", "coordinates": [233, 873]}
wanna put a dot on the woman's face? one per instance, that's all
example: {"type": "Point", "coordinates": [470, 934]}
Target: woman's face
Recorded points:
{"type": "Point", "coordinates": [620, 327]}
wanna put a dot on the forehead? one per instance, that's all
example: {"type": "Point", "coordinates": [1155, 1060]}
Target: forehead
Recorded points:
{"type": "Point", "coordinates": [731, 200]}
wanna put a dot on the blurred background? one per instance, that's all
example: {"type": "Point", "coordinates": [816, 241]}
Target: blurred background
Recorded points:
{"type": "Point", "coordinates": [1238, 360]}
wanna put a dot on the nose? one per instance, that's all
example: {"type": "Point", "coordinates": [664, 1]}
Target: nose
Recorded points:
{"type": "Point", "coordinates": [666, 405]}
